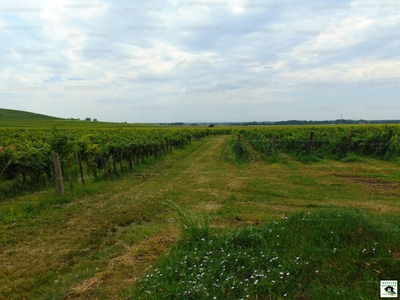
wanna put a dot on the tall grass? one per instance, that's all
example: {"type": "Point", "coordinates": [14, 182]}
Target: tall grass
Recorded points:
{"type": "Point", "coordinates": [193, 227]}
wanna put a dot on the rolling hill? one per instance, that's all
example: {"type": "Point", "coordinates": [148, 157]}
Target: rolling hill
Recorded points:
{"type": "Point", "coordinates": [18, 118]}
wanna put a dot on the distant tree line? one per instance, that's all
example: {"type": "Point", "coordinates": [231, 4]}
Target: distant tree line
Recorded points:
{"type": "Point", "coordinates": [301, 122]}
{"type": "Point", "coordinates": [173, 124]}
{"type": "Point", "coordinates": [86, 119]}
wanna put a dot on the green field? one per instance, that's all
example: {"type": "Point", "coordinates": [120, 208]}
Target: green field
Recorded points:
{"type": "Point", "coordinates": [292, 226]}
{"type": "Point", "coordinates": [17, 119]}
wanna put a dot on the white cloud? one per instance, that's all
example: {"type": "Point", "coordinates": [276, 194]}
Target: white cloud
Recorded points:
{"type": "Point", "coordinates": [98, 59]}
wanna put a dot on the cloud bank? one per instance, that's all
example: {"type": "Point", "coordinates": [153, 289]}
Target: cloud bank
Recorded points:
{"type": "Point", "coordinates": [190, 61]}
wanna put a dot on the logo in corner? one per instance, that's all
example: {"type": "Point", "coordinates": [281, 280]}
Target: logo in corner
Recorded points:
{"type": "Point", "coordinates": [388, 288]}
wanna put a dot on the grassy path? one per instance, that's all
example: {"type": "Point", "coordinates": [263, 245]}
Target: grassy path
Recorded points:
{"type": "Point", "coordinates": [97, 245]}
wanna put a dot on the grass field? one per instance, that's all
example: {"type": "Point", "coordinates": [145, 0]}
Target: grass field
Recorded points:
{"type": "Point", "coordinates": [99, 242]}
{"type": "Point", "coordinates": [249, 229]}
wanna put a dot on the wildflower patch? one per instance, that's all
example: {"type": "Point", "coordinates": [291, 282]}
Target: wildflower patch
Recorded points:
{"type": "Point", "coordinates": [305, 256]}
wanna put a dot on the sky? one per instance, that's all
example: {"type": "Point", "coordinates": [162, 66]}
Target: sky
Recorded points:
{"type": "Point", "coordinates": [201, 61]}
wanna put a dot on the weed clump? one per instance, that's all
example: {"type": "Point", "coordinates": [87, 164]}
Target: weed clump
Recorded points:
{"type": "Point", "coordinates": [193, 227]}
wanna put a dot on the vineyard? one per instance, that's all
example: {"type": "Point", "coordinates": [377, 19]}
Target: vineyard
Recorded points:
{"type": "Point", "coordinates": [381, 142]}
{"type": "Point", "coordinates": [26, 155]}
{"type": "Point", "coordinates": [186, 213]}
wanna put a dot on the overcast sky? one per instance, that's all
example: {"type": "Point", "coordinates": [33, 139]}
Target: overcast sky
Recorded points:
{"type": "Point", "coordinates": [193, 61]}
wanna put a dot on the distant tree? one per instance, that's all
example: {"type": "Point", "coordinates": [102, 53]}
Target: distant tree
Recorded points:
{"type": "Point", "coordinates": [211, 125]}
{"type": "Point", "coordinates": [95, 120]}
{"type": "Point", "coordinates": [87, 119]}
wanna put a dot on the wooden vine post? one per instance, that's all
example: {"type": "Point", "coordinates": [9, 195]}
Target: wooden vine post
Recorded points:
{"type": "Point", "coordinates": [59, 184]}
{"type": "Point", "coordinates": [80, 168]}
{"type": "Point", "coordinates": [389, 137]}
{"type": "Point", "coordinates": [273, 143]}
{"type": "Point", "coordinates": [239, 148]}
{"type": "Point", "coordinates": [130, 160]}
{"type": "Point", "coordinates": [310, 142]}
{"type": "Point", "coordinates": [114, 159]}
{"type": "Point", "coordinates": [105, 166]}
{"type": "Point", "coordinates": [348, 143]}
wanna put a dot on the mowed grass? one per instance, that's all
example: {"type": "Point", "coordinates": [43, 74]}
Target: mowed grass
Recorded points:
{"type": "Point", "coordinates": [99, 242]}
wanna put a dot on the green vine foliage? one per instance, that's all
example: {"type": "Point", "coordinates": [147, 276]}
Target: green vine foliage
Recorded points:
{"type": "Point", "coordinates": [26, 155]}
{"type": "Point", "coordinates": [328, 142]}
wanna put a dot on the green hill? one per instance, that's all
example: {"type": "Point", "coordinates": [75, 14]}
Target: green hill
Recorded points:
{"type": "Point", "coordinates": [18, 118]}
{"type": "Point", "coordinates": [13, 115]}
{"type": "Point", "coordinates": [17, 114]}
